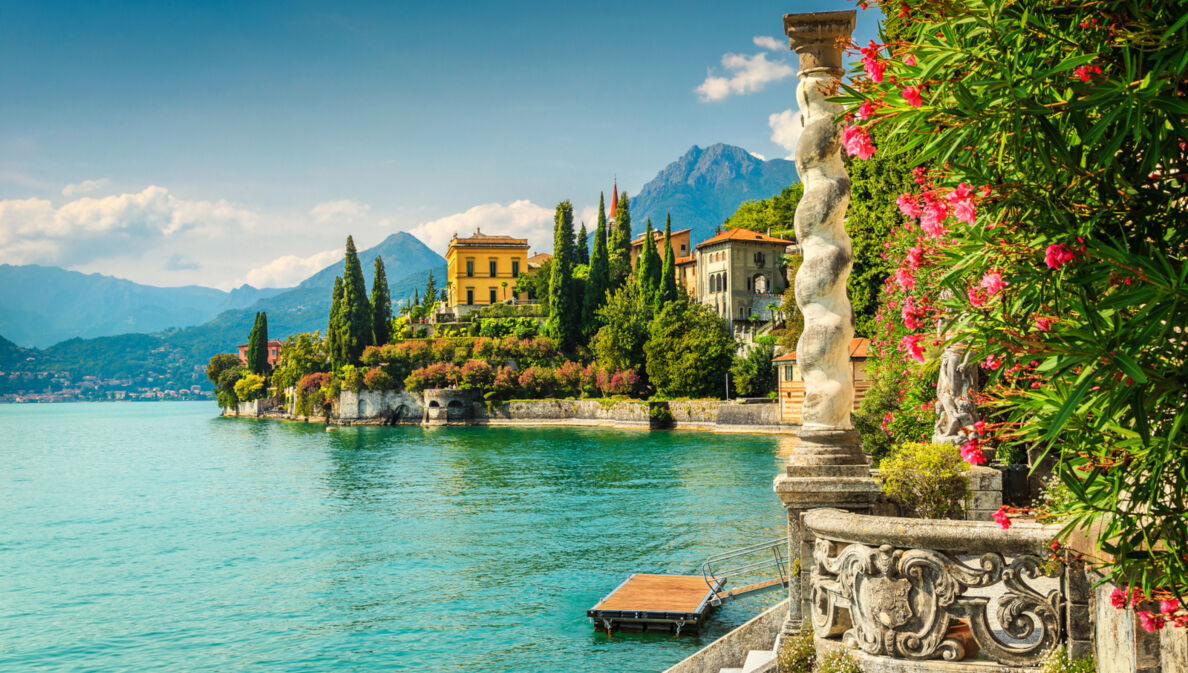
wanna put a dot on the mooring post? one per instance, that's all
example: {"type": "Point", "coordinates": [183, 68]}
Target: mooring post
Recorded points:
{"type": "Point", "coordinates": [826, 467]}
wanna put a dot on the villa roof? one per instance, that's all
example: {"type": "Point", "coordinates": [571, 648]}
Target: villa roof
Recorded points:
{"type": "Point", "coordinates": [535, 261]}
{"type": "Point", "coordinates": [656, 234]}
{"type": "Point", "coordinates": [859, 350]}
{"type": "Point", "coordinates": [743, 235]}
{"type": "Point", "coordinates": [688, 259]}
{"type": "Point", "coordinates": [485, 240]}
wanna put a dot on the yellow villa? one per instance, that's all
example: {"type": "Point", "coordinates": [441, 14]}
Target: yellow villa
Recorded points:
{"type": "Point", "coordinates": [482, 270]}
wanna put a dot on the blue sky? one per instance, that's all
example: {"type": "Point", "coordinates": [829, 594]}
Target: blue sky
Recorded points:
{"type": "Point", "coordinates": [215, 143]}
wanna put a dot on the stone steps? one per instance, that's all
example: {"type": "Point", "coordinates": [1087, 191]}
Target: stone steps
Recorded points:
{"type": "Point", "coordinates": [758, 661]}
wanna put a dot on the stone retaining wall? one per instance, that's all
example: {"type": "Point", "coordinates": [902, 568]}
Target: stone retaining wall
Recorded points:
{"type": "Point", "coordinates": [730, 650]}
{"type": "Point", "coordinates": [592, 412]}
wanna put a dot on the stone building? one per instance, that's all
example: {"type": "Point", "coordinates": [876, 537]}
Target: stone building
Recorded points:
{"type": "Point", "coordinates": [274, 347]}
{"type": "Point", "coordinates": [482, 270]}
{"type": "Point", "coordinates": [739, 273]}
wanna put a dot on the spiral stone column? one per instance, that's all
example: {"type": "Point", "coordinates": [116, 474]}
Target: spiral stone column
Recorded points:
{"type": "Point", "coordinates": [826, 467]}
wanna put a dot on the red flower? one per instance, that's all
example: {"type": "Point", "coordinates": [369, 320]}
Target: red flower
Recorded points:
{"type": "Point", "coordinates": [1044, 324]}
{"type": "Point", "coordinates": [857, 142]}
{"type": "Point", "coordinates": [912, 95]}
{"type": "Point", "coordinates": [1118, 598]}
{"type": "Point", "coordinates": [993, 282]}
{"type": "Point", "coordinates": [971, 454]}
{"type": "Point", "coordinates": [909, 60]}
{"type": "Point", "coordinates": [1086, 72]}
{"type": "Point", "coordinates": [1001, 518]}
{"type": "Point", "coordinates": [992, 362]}
{"type": "Point", "coordinates": [909, 205]}
{"type": "Point", "coordinates": [910, 344]}
{"type": "Point", "coordinates": [872, 64]}
{"type": "Point", "coordinates": [1150, 621]}
{"type": "Point", "coordinates": [866, 109]}
{"type": "Point", "coordinates": [1057, 256]}
{"type": "Point", "coordinates": [1169, 605]}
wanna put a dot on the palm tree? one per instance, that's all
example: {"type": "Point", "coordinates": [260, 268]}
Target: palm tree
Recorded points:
{"type": "Point", "coordinates": [504, 285]}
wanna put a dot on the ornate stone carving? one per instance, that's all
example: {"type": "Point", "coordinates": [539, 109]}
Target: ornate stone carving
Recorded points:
{"type": "Point", "coordinates": [901, 603]}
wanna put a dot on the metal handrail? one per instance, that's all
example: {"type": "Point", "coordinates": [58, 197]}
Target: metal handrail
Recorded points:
{"type": "Point", "coordinates": [716, 576]}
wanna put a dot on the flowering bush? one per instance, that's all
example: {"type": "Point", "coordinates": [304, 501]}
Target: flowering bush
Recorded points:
{"type": "Point", "coordinates": [506, 384]}
{"type": "Point", "coordinates": [590, 378]}
{"type": "Point", "coordinates": [487, 349]}
{"type": "Point", "coordinates": [436, 375]}
{"type": "Point", "coordinates": [477, 375]}
{"type": "Point", "coordinates": [312, 382]}
{"type": "Point", "coordinates": [625, 382]}
{"type": "Point", "coordinates": [538, 381]}
{"type": "Point", "coordinates": [1050, 206]}
{"type": "Point", "coordinates": [378, 379]}
{"type": "Point", "coordinates": [351, 377]}
{"type": "Point", "coordinates": [568, 379]}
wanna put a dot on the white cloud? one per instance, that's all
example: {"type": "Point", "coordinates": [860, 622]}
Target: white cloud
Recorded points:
{"type": "Point", "coordinates": [344, 211]}
{"type": "Point", "coordinates": [85, 187]}
{"type": "Point", "coordinates": [758, 156]}
{"type": "Point", "coordinates": [522, 219]}
{"type": "Point", "coordinates": [33, 231]}
{"type": "Point", "coordinates": [770, 43]}
{"type": "Point", "coordinates": [785, 130]}
{"type": "Point", "coordinates": [290, 269]}
{"type": "Point", "coordinates": [748, 75]}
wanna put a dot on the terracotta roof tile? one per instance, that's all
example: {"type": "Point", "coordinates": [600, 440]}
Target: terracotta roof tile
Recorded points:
{"type": "Point", "coordinates": [859, 348]}
{"type": "Point", "coordinates": [743, 235]}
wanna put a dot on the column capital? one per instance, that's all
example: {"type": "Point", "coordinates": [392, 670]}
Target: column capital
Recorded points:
{"type": "Point", "coordinates": [820, 38]}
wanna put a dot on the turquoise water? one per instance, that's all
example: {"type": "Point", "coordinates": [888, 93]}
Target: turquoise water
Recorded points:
{"type": "Point", "coordinates": [157, 536]}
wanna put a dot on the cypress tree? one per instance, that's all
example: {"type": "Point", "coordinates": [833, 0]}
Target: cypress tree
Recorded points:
{"type": "Point", "coordinates": [647, 266]}
{"type": "Point", "coordinates": [254, 364]}
{"type": "Point", "coordinates": [619, 244]}
{"type": "Point", "coordinates": [356, 315]}
{"type": "Point", "coordinates": [582, 250]}
{"type": "Point", "coordinates": [334, 330]}
{"type": "Point", "coordinates": [430, 291]}
{"type": "Point", "coordinates": [668, 283]}
{"type": "Point", "coordinates": [599, 279]}
{"type": "Point", "coordinates": [416, 297]}
{"type": "Point", "coordinates": [381, 305]}
{"type": "Point", "coordinates": [564, 318]}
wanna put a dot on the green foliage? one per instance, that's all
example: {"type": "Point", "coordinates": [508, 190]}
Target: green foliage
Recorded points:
{"type": "Point", "coordinates": [521, 328]}
{"type": "Point", "coordinates": [1057, 661]}
{"type": "Point", "coordinates": [564, 314]}
{"type": "Point", "coordinates": [351, 378]}
{"type": "Point", "coordinates": [899, 406]}
{"type": "Point", "coordinates": [793, 318]}
{"type": "Point", "coordinates": [836, 660]}
{"type": "Point", "coordinates": [301, 354]}
{"type": "Point", "coordinates": [598, 280]}
{"type": "Point", "coordinates": [257, 350]}
{"type": "Point", "coordinates": [797, 653]}
{"type": "Point", "coordinates": [223, 370]}
{"type": "Point", "coordinates": [775, 214]}
{"type": "Point", "coordinates": [619, 244]}
{"type": "Point", "coordinates": [689, 351]}
{"type": "Point", "coordinates": [537, 284]}
{"type": "Point", "coordinates": [581, 251]}
{"type": "Point", "coordinates": [1080, 140]}
{"type": "Point", "coordinates": [430, 297]}
{"type": "Point", "coordinates": [476, 375]}
{"type": "Point", "coordinates": [668, 282]}
{"type": "Point", "coordinates": [355, 326]}
{"type": "Point", "coordinates": [929, 479]}
{"type": "Point", "coordinates": [250, 387]}
{"type": "Point", "coordinates": [647, 266]}
{"type": "Point", "coordinates": [335, 348]}
{"type": "Point", "coordinates": [378, 379]}
{"type": "Point", "coordinates": [619, 343]}
{"type": "Point", "coordinates": [381, 304]}
{"type": "Point", "coordinates": [754, 374]}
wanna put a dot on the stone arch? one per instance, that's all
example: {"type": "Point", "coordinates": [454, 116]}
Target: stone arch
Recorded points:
{"type": "Point", "coordinates": [760, 284]}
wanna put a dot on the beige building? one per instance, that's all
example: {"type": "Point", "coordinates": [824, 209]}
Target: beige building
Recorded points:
{"type": "Point", "coordinates": [791, 389]}
{"type": "Point", "coordinates": [680, 244]}
{"type": "Point", "coordinates": [739, 273]}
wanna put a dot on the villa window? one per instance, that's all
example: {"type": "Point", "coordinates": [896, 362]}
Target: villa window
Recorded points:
{"type": "Point", "coordinates": [515, 268]}
{"type": "Point", "coordinates": [469, 269]}
{"type": "Point", "coordinates": [493, 299]}
{"type": "Point", "coordinates": [494, 268]}
{"type": "Point", "coordinates": [470, 296]}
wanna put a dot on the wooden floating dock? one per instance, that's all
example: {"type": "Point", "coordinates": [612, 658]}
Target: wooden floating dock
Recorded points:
{"type": "Point", "coordinates": [668, 603]}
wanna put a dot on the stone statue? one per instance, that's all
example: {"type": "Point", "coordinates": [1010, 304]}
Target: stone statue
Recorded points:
{"type": "Point", "coordinates": [955, 388]}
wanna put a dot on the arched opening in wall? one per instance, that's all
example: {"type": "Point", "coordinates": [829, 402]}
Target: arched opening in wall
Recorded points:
{"type": "Point", "coordinates": [759, 282]}
{"type": "Point", "coordinates": [433, 404]}
{"type": "Point", "coordinates": [362, 410]}
{"type": "Point", "coordinates": [455, 404]}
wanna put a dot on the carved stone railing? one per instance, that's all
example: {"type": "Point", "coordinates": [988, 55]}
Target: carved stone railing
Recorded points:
{"type": "Point", "coordinates": [901, 588]}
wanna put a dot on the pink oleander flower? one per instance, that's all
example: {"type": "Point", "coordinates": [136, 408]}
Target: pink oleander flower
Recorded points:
{"type": "Point", "coordinates": [909, 60]}
{"type": "Point", "coordinates": [911, 94]}
{"type": "Point", "coordinates": [872, 64]}
{"type": "Point", "coordinates": [909, 205]}
{"type": "Point", "coordinates": [857, 142]}
{"type": "Point", "coordinates": [976, 295]}
{"type": "Point", "coordinates": [910, 344]}
{"type": "Point", "coordinates": [971, 454]}
{"type": "Point", "coordinates": [963, 206]}
{"type": "Point", "coordinates": [1150, 621]}
{"type": "Point", "coordinates": [1137, 596]}
{"type": "Point", "coordinates": [1118, 598]}
{"type": "Point", "coordinates": [918, 175]}
{"type": "Point", "coordinates": [1086, 72]}
{"type": "Point", "coordinates": [905, 279]}
{"type": "Point", "coordinates": [1057, 256]}
{"type": "Point", "coordinates": [933, 219]}
{"type": "Point", "coordinates": [980, 427]}
{"type": "Point", "coordinates": [915, 257]}
{"type": "Point", "coordinates": [1002, 519]}
{"type": "Point", "coordinates": [992, 362]}
{"type": "Point", "coordinates": [909, 314]}
{"type": "Point", "coordinates": [1044, 324]}
{"type": "Point", "coordinates": [993, 282]}
{"type": "Point", "coordinates": [866, 109]}
{"type": "Point", "coordinates": [1169, 605]}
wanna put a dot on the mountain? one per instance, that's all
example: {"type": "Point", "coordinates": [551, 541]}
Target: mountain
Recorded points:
{"type": "Point", "coordinates": [10, 353]}
{"type": "Point", "coordinates": [42, 305]}
{"type": "Point", "coordinates": [403, 253]}
{"type": "Point", "coordinates": [705, 186]}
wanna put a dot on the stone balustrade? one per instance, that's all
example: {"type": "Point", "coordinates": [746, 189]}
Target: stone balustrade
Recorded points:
{"type": "Point", "coordinates": [925, 591]}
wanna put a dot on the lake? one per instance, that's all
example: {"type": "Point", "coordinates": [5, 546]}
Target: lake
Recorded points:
{"type": "Point", "coordinates": [158, 536]}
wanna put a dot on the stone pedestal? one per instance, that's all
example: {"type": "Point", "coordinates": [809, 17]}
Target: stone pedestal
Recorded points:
{"type": "Point", "coordinates": [826, 468]}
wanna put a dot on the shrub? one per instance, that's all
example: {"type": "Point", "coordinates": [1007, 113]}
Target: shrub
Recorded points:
{"type": "Point", "coordinates": [797, 653]}
{"type": "Point", "coordinates": [501, 327]}
{"type": "Point", "coordinates": [1057, 661]}
{"type": "Point", "coordinates": [506, 384]}
{"type": "Point", "coordinates": [509, 347]}
{"type": "Point", "coordinates": [539, 351]}
{"type": "Point", "coordinates": [487, 349]}
{"type": "Point", "coordinates": [929, 479]}
{"type": "Point", "coordinates": [313, 382]}
{"type": "Point", "coordinates": [351, 377]}
{"type": "Point", "coordinates": [476, 375]}
{"type": "Point", "coordinates": [378, 379]}
{"type": "Point", "coordinates": [444, 350]}
{"type": "Point", "coordinates": [569, 379]}
{"type": "Point", "coordinates": [538, 381]}
{"type": "Point", "coordinates": [436, 375]}
{"type": "Point", "coordinates": [250, 387]}
{"type": "Point", "coordinates": [625, 382]}
{"type": "Point", "coordinates": [836, 660]}
{"type": "Point", "coordinates": [755, 374]}
{"type": "Point", "coordinates": [590, 380]}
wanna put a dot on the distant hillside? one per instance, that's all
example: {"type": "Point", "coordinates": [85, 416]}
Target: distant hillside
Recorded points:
{"type": "Point", "coordinates": [705, 186]}
{"type": "Point", "coordinates": [403, 253]}
{"type": "Point", "coordinates": [42, 305]}
{"type": "Point", "coordinates": [10, 353]}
